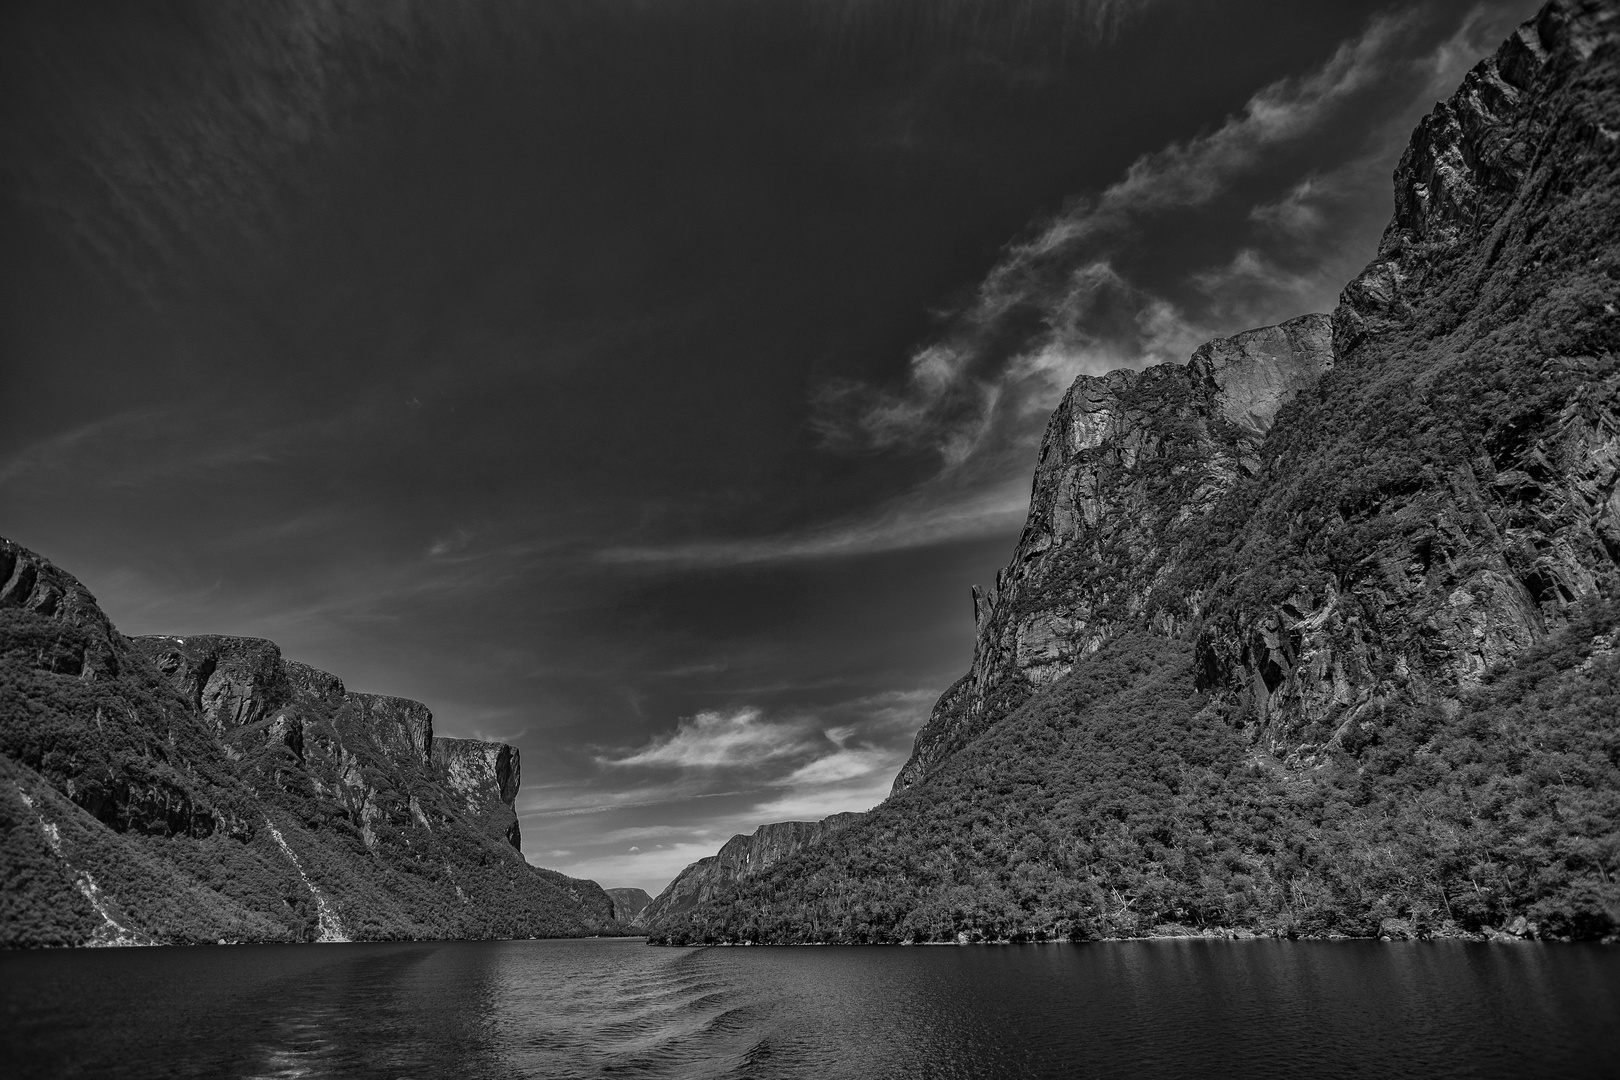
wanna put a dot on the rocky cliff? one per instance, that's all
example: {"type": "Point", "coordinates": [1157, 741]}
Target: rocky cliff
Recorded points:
{"type": "Point", "coordinates": [628, 903]}
{"type": "Point", "coordinates": [1461, 525]}
{"type": "Point", "coordinates": [204, 788]}
{"type": "Point", "coordinates": [1313, 634]}
{"type": "Point", "coordinates": [1444, 488]}
{"type": "Point", "coordinates": [1130, 468]}
{"type": "Point", "coordinates": [743, 856]}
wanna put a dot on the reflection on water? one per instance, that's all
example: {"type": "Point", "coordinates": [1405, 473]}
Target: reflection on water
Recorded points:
{"type": "Point", "coordinates": [611, 1008]}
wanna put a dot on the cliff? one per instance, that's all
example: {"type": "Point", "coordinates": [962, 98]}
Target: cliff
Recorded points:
{"type": "Point", "coordinates": [741, 857]}
{"type": "Point", "coordinates": [1441, 492]}
{"type": "Point", "coordinates": [628, 903]}
{"type": "Point", "coordinates": [1130, 468]}
{"type": "Point", "coordinates": [204, 788]}
{"type": "Point", "coordinates": [1444, 499]}
{"type": "Point", "coordinates": [1312, 634]}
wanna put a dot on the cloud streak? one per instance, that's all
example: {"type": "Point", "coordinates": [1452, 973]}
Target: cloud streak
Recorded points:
{"type": "Point", "coordinates": [1058, 305]}
{"type": "Point", "coordinates": [921, 520]}
{"type": "Point", "coordinates": [712, 740]}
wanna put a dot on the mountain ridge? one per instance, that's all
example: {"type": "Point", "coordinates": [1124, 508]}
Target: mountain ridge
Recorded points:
{"type": "Point", "coordinates": [1363, 622]}
{"type": "Point", "coordinates": [204, 788]}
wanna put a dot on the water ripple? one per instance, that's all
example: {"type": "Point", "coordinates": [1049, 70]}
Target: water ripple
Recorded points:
{"type": "Point", "coordinates": [615, 1008]}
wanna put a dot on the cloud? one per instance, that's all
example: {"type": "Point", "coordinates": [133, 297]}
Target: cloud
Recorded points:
{"type": "Point", "coordinates": [1057, 306]}
{"type": "Point", "coordinates": [841, 766]}
{"type": "Point", "coordinates": [803, 766]}
{"type": "Point", "coordinates": [1250, 287]}
{"type": "Point", "coordinates": [58, 452]}
{"type": "Point", "coordinates": [457, 541]}
{"type": "Point", "coordinates": [799, 753]}
{"type": "Point", "coordinates": [633, 799]}
{"type": "Point", "coordinates": [650, 832]}
{"type": "Point", "coordinates": [648, 869]}
{"type": "Point", "coordinates": [925, 518]}
{"type": "Point", "coordinates": [712, 740]}
{"type": "Point", "coordinates": [817, 803]}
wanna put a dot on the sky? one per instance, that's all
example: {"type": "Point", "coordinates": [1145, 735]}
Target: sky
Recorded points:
{"type": "Point", "coordinates": [641, 383]}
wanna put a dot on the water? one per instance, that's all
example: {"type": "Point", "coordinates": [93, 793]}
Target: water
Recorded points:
{"type": "Point", "coordinates": [616, 1008]}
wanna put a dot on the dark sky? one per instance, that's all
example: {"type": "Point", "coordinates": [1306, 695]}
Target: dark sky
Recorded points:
{"type": "Point", "coordinates": [642, 383]}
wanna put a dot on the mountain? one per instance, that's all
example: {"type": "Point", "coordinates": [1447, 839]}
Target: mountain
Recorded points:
{"type": "Point", "coordinates": [1315, 633]}
{"type": "Point", "coordinates": [742, 857]}
{"type": "Point", "coordinates": [201, 789]}
{"type": "Point", "coordinates": [628, 903]}
{"type": "Point", "coordinates": [1130, 468]}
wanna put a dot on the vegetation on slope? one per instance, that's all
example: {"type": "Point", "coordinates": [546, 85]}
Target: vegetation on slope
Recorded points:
{"type": "Point", "coordinates": [1122, 802]}
{"type": "Point", "coordinates": [124, 817]}
{"type": "Point", "coordinates": [1466, 437]}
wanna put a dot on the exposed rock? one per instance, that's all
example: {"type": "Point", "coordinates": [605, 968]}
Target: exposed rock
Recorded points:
{"type": "Point", "coordinates": [743, 856]}
{"type": "Point", "coordinates": [1190, 500]}
{"type": "Point", "coordinates": [486, 775]}
{"type": "Point", "coordinates": [1313, 636]}
{"type": "Point", "coordinates": [231, 680]}
{"type": "Point", "coordinates": [33, 584]}
{"type": "Point", "coordinates": [1487, 319]}
{"type": "Point", "coordinates": [628, 903]}
{"type": "Point", "coordinates": [1131, 466]}
{"type": "Point", "coordinates": [287, 807]}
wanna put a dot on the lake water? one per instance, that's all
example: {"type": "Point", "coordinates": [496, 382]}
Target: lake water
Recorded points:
{"type": "Point", "coordinates": [616, 1008]}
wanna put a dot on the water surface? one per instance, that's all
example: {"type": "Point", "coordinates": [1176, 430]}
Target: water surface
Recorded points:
{"type": "Point", "coordinates": [611, 1008]}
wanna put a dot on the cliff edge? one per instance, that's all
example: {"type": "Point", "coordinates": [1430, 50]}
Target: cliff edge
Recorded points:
{"type": "Point", "coordinates": [1314, 635]}
{"type": "Point", "coordinates": [204, 788]}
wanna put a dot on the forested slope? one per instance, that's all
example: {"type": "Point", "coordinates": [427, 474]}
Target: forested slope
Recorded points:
{"type": "Point", "coordinates": [205, 789]}
{"type": "Point", "coordinates": [1122, 801]}
{"type": "Point", "coordinates": [1307, 643]}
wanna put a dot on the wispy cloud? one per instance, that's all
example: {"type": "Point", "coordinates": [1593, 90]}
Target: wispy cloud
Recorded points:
{"type": "Point", "coordinates": [1057, 306]}
{"type": "Point", "coordinates": [719, 775]}
{"type": "Point", "coordinates": [648, 869]}
{"type": "Point", "coordinates": [52, 455]}
{"type": "Point", "coordinates": [815, 803]}
{"type": "Point", "coordinates": [716, 739]}
{"type": "Point", "coordinates": [598, 802]}
{"type": "Point", "coordinates": [925, 517]}
{"type": "Point", "coordinates": [800, 752]}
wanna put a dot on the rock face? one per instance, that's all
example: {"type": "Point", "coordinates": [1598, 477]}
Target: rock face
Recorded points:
{"type": "Point", "coordinates": [203, 788]}
{"type": "Point", "coordinates": [486, 775]}
{"type": "Point", "coordinates": [1131, 467]}
{"type": "Point", "coordinates": [1314, 633]}
{"type": "Point", "coordinates": [628, 903]}
{"type": "Point", "coordinates": [1445, 496]}
{"type": "Point", "coordinates": [742, 857]}
{"type": "Point", "coordinates": [1443, 488]}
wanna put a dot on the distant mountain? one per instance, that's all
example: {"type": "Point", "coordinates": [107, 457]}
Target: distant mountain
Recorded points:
{"type": "Point", "coordinates": [742, 857]}
{"type": "Point", "coordinates": [1314, 634]}
{"type": "Point", "coordinates": [204, 789]}
{"type": "Point", "coordinates": [628, 903]}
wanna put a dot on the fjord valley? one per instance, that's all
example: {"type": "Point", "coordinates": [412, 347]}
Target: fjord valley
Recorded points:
{"type": "Point", "coordinates": [1309, 629]}
{"type": "Point", "coordinates": [1313, 635]}
{"type": "Point", "coordinates": [167, 790]}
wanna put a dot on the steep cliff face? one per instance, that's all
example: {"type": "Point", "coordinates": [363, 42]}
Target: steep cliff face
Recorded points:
{"type": "Point", "coordinates": [1438, 495]}
{"type": "Point", "coordinates": [205, 788]}
{"type": "Point", "coordinates": [1437, 504]}
{"type": "Point", "coordinates": [628, 903]}
{"type": "Point", "coordinates": [742, 857]}
{"type": "Point", "coordinates": [1316, 633]}
{"type": "Point", "coordinates": [486, 776]}
{"type": "Point", "coordinates": [33, 585]}
{"type": "Point", "coordinates": [1131, 466]}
